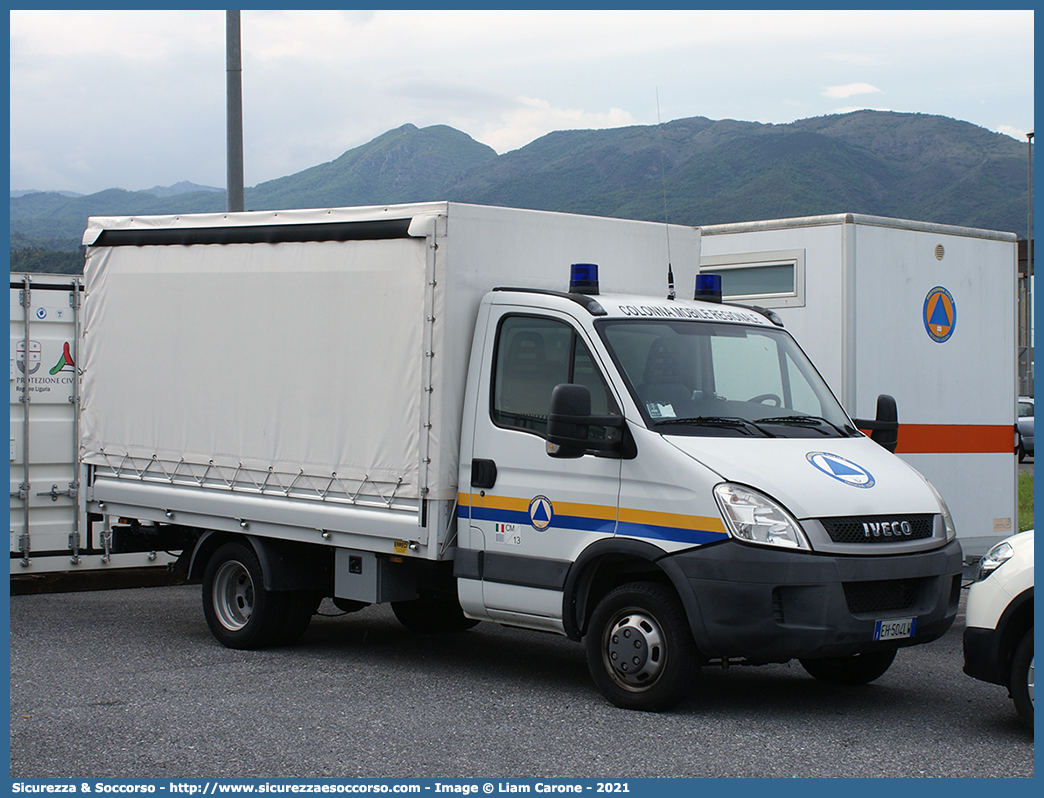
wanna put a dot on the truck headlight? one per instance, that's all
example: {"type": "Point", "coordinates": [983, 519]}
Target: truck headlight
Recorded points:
{"type": "Point", "coordinates": [994, 559]}
{"type": "Point", "coordinates": [755, 518]}
{"type": "Point", "coordinates": [947, 519]}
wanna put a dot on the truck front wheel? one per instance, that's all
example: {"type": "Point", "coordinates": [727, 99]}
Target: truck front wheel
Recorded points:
{"type": "Point", "coordinates": [640, 650]}
{"type": "Point", "coordinates": [851, 670]}
{"type": "Point", "coordinates": [239, 611]}
{"type": "Point", "coordinates": [1022, 679]}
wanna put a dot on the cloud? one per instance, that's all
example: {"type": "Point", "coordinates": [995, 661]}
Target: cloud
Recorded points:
{"type": "Point", "coordinates": [135, 35]}
{"type": "Point", "coordinates": [849, 90]}
{"type": "Point", "coordinates": [1014, 132]}
{"type": "Point", "coordinates": [534, 118]}
{"type": "Point", "coordinates": [315, 83]}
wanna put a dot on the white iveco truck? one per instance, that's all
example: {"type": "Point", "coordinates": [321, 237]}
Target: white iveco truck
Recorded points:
{"type": "Point", "coordinates": [489, 414]}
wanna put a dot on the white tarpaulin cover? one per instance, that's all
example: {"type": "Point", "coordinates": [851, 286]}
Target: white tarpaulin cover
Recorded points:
{"type": "Point", "coordinates": [258, 356]}
{"type": "Point", "coordinates": [273, 366]}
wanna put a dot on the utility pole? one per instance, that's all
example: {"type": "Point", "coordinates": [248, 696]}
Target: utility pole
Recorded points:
{"type": "Point", "coordinates": [233, 113]}
{"type": "Point", "coordinates": [1029, 263]}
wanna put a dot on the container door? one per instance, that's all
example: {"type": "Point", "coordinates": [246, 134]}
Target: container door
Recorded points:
{"type": "Point", "coordinates": [534, 513]}
{"type": "Point", "coordinates": [45, 531]}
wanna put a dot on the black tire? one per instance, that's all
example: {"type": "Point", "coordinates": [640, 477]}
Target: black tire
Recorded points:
{"type": "Point", "coordinates": [851, 670]}
{"type": "Point", "coordinates": [1021, 684]}
{"type": "Point", "coordinates": [647, 623]}
{"type": "Point", "coordinates": [433, 613]}
{"type": "Point", "coordinates": [239, 611]}
{"type": "Point", "coordinates": [1021, 450]}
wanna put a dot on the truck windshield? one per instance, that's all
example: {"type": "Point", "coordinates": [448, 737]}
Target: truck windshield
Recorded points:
{"type": "Point", "coordinates": [700, 378]}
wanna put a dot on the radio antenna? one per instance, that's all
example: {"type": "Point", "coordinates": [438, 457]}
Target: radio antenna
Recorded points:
{"type": "Point", "coordinates": [666, 225]}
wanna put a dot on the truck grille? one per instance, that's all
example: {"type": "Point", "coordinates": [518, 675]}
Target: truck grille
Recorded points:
{"type": "Point", "coordinates": [884, 596]}
{"type": "Point", "coordinates": [872, 528]}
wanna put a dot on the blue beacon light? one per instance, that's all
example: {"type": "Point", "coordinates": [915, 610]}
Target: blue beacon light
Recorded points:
{"type": "Point", "coordinates": [708, 287]}
{"type": "Point", "coordinates": [583, 278]}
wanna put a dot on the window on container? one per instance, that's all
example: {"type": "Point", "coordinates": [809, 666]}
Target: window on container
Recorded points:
{"type": "Point", "coordinates": [776, 279]}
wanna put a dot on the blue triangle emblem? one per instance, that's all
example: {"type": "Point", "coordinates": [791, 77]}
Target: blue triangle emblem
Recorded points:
{"type": "Point", "coordinates": [939, 315]}
{"type": "Point", "coordinates": [840, 469]}
{"type": "Point", "coordinates": [540, 513]}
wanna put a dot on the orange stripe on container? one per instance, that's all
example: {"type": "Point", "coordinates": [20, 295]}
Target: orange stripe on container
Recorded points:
{"type": "Point", "coordinates": [956, 439]}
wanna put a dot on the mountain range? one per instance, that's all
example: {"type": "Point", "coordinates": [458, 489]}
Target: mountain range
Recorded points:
{"type": "Point", "coordinates": [694, 171]}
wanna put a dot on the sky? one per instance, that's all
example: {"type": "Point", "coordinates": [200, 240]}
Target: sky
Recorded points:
{"type": "Point", "coordinates": [136, 99]}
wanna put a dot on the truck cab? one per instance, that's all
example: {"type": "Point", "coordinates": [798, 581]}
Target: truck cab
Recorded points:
{"type": "Point", "coordinates": [674, 483]}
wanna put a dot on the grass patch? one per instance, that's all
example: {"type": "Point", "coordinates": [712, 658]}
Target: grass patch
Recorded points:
{"type": "Point", "coordinates": [1025, 501]}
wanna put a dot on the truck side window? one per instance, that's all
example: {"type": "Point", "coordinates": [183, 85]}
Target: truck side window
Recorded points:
{"type": "Point", "coordinates": [532, 356]}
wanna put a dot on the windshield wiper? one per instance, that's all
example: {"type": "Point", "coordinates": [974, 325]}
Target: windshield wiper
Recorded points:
{"type": "Point", "coordinates": [805, 421]}
{"type": "Point", "coordinates": [716, 421]}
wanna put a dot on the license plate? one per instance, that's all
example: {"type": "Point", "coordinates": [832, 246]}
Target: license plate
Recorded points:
{"type": "Point", "coordinates": [895, 629]}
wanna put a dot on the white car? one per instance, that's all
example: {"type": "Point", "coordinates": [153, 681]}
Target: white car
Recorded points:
{"type": "Point", "coordinates": [998, 634]}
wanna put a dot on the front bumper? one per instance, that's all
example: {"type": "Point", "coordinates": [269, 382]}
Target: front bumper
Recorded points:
{"type": "Point", "coordinates": [767, 605]}
{"type": "Point", "coordinates": [982, 659]}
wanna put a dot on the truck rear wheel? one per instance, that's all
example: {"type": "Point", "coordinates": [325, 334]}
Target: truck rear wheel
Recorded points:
{"type": "Point", "coordinates": [239, 611]}
{"type": "Point", "coordinates": [640, 650]}
{"type": "Point", "coordinates": [851, 670]}
{"type": "Point", "coordinates": [1022, 679]}
{"type": "Point", "coordinates": [433, 613]}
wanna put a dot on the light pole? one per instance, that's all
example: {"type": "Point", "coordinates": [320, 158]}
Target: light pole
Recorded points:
{"type": "Point", "coordinates": [233, 114]}
{"type": "Point", "coordinates": [1029, 260]}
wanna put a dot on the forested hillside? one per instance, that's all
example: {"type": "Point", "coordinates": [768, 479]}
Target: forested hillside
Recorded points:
{"type": "Point", "coordinates": [912, 166]}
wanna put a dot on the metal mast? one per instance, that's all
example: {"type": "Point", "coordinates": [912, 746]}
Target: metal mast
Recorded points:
{"type": "Point", "coordinates": [234, 113]}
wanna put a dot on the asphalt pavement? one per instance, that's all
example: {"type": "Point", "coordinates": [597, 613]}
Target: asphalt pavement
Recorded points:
{"type": "Point", "coordinates": [129, 683]}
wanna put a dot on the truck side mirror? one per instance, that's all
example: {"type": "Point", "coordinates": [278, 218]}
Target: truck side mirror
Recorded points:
{"type": "Point", "coordinates": [884, 430]}
{"type": "Point", "coordinates": [569, 421]}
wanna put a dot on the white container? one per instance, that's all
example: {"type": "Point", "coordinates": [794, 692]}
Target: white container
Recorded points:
{"type": "Point", "coordinates": [45, 523]}
{"type": "Point", "coordinates": [923, 312]}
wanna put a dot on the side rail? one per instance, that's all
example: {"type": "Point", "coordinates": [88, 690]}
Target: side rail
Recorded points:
{"type": "Point", "coordinates": [403, 530]}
